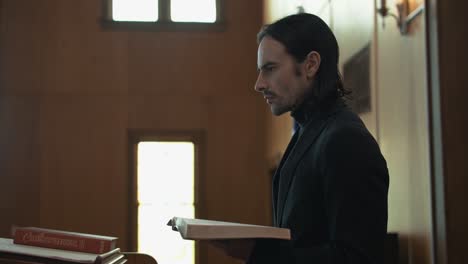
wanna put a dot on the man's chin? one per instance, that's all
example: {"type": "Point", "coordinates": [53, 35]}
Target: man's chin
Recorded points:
{"type": "Point", "coordinates": [277, 111]}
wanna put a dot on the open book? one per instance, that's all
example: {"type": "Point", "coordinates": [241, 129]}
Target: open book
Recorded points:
{"type": "Point", "coordinates": [199, 229]}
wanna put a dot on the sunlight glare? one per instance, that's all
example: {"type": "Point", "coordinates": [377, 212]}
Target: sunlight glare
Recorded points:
{"type": "Point", "coordinates": [165, 189]}
{"type": "Point", "coordinates": [193, 11]}
{"type": "Point", "coordinates": [135, 10]}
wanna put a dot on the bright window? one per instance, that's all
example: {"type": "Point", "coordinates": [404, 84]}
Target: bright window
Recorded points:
{"type": "Point", "coordinates": [198, 11]}
{"type": "Point", "coordinates": [193, 11]}
{"type": "Point", "coordinates": [135, 10]}
{"type": "Point", "coordinates": [165, 188]}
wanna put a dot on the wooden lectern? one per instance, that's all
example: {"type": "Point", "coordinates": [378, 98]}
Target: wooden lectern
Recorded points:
{"type": "Point", "coordinates": [132, 258]}
{"type": "Point", "coordinates": [139, 258]}
{"type": "Point", "coordinates": [11, 253]}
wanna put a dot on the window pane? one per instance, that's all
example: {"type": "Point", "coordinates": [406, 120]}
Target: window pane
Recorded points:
{"type": "Point", "coordinates": [193, 10]}
{"type": "Point", "coordinates": [165, 188]}
{"type": "Point", "coordinates": [159, 240]}
{"type": "Point", "coordinates": [165, 172]}
{"type": "Point", "coordinates": [135, 10]}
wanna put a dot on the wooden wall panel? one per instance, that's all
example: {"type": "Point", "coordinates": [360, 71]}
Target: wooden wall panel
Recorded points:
{"type": "Point", "coordinates": [79, 56]}
{"type": "Point", "coordinates": [237, 178]}
{"type": "Point", "coordinates": [83, 164]}
{"type": "Point", "coordinates": [230, 177]}
{"type": "Point", "coordinates": [186, 65]}
{"type": "Point", "coordinates": [450, 92]}
{"type": "Point", "coordinates": [21, 48]}
{"type": "Point", "coordinates": [89, 87]}
{"type": "Point", "coordinates": [19, 162]}
{"type": "Point", "coordinates": [170, 113]}
{"type": "Point", "coordinates": [20, 84]}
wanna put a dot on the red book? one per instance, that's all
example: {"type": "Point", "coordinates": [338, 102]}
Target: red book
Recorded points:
{"type": "Point", "coordinates": [72, 241]}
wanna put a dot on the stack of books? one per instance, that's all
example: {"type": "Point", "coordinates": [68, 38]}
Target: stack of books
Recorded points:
{"type": "Point", "coordinates": [39, 245]}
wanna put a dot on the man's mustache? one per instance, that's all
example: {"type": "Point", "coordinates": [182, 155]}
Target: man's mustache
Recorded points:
{"type": "Point", "coordinates": [268, 93]}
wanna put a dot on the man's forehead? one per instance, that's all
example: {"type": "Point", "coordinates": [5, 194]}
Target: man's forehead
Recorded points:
{"type": "Point", "coordinates": [270, 50]}
{"type": "Point", "coordinates": [269, 44]}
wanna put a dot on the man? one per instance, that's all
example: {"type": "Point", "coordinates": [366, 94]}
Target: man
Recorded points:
{"type": "Point", "coordinates": [330, 188]}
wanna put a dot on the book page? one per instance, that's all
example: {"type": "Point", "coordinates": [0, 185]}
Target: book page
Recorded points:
{"type": "Point", "coordinates": [211, 222]}
{"type": "Point", "coordinates": [197, 229]}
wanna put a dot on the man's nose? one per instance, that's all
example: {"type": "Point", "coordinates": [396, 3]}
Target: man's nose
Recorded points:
{"type": "Point", "coordinates": [260, 84]}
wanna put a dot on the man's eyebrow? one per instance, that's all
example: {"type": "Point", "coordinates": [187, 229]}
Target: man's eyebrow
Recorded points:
{"type": "Point", "coordinates": [267, 64]}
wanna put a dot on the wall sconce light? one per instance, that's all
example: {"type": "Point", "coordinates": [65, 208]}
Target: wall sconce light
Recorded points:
{"type": "Point", "coordinates": [403, 17]}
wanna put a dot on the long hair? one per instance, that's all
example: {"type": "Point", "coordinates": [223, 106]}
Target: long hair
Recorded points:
{"type": "Point", "coordinates": [301, 34]}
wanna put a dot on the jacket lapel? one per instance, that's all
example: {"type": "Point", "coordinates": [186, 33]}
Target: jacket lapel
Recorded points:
{"type": "Point", "coordinates": [297, 149]}
{"type": "Point", "coordinates": [277, 177]}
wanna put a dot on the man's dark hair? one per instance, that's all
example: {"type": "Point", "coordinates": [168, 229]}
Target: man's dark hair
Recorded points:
{"type": "Point", "coordinates": [301, 34]}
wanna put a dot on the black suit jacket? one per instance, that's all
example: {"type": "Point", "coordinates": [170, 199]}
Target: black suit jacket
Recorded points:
{"type": "Point", "coordinates": [330, 190]}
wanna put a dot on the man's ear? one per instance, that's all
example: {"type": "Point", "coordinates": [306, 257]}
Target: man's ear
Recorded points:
{"type": "Point", "coordinates": [312, 64]}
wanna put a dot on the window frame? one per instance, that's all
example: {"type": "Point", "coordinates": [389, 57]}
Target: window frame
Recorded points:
{"type": "Point", "coordinates": [164, 22]}
{"type": "Point", "coordinates": [136, 136]}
